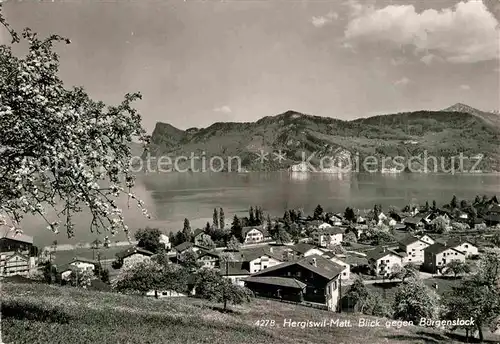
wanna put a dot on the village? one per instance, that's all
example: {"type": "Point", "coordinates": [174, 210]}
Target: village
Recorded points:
{"type": "Point", "coordinates": [307, 260]}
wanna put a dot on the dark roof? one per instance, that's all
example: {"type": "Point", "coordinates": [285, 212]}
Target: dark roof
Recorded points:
{"type": "Point", "coordinates": [254, 253]}
{"type": "Point", "coordinates": [302, 247]}
{"type": "Point", "coordinates": [84, 260]}
{"type": "Point", "coordinates": [324, 267]}
{"type": "Point", "coordinates": [198, 232]}
{"type": "Point", "coordinates": [204, 252]}
{"type": "Point", "coordinates": [492, 218]}
{"type": "Point", "coordinates": [133, 250]}
{"type": "Point", "coordinates": [184, 246]}
{"type": "Point", "coordinates": [278, 281]}
{"type": "Point", "coordinates": [457, 241]}
{"type": "Point", "coordinates": [409, 239]}
{"type": "Point", "coordinates": [438, 248]}
{"type": "Point", "coordinates": [6, 232]}
{"type": "Point", "coordinates": [412, 220]}
{"type": "Point", "coordinates": [234, 269]}
{"type": "Point", "coordinates": [380, 252]}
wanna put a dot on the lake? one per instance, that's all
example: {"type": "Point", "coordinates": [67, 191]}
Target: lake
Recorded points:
{"type": "Point", "coordinates": [171, 197]}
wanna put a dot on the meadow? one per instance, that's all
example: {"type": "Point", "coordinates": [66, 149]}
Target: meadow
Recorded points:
{"type": "Point", "coordinates": [37, 313]}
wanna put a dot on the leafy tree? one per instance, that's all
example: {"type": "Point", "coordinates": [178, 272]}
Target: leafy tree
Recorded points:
{"type": "Point", "coordinates": [496, 239]}
{"type": "Point", "coordinates": [457, 267]}
{"type": "Point", "coordinates": [149, 239]}
{"type": "Point", "coordinates": [81, 278]}
{"type": "Point", "coordinates": [251, 217]}
{"type": "Point", "coordinates": [186, 230]}
{"type": "Point", "coordinates": [464, 204]}
{"type": "Point", "coordinates": [161, 258]}
{"type": "Point", "coordinates": [408, 271]}
{"type": "Point", "coordinates": [208, 228]}
{"type": "Point", "coordinates": [349, 215]}
{"type": "Point", "coordinates": [49, 272]}
{"type": "Point", "coordinates": [427, 207]}
{"type": "Point", "coordinates": [269, 224]}
{"type": "Point", "coordinates": [68, 144]}
{"type": "Point", "coordinates": [259, 216]}
{"type": "Point", "coordinates": [282, 236]}
{"type": "Point", "coordinates": [440, 225]}
{"type": "Point", "coordinates": [358, 295]}
{"type": "Point", "coordinates": [222, 219]}
{"type": "Point", "coordinates": [233, 244]}
{"type": "Point", "coordinates": [117, 263]}
{"type": "Point", "coordinates": [150, 276]}
{"type": "Point", "coordinates": [215, 218]}
{"type": "Point", "coordinates": [318, 212]}
{"type": "Point", "coordinates": [287, 219]}
{"type": "Point", "coordinates": [478, 296]}
{"type": "Point", "coordinates": [454, 202]}
{"type": "Point", "coordinates": [350, 237]}
{"type": "Point", "coordinates": [189, 259]}
{"type": "Point", "coordinates": [434, 205]}
{"type": "Point", "coordinates": [477, 200]}
{"type": "Point", "coordinates": [414, 300]}
{"type": "Point", "coordinates": [206, 241]}
{"type": "Point", "coordinates": [212, 286]}
{"type": "Point", "coordinates": [236, 228]}
{"type": "Point", "coordinates": [378, 306]}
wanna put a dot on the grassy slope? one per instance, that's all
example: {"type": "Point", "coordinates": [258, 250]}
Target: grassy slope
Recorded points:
{"type": "Point", "coordinates": [77, 316]}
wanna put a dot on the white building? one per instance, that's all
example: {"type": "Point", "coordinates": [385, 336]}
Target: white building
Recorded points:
{"type": "Point", "coordinates": [328, 236]}
{"type": "Point", "coordinates": [253, 235]}
{"type": "Point", "coordinates": [383, 261]}
{"type": "Point", "coordinates": [413, 247]}
{"type": "Point", "coordinates": [463, 246]}
{"type": "Point", "coordinates": [437, 256]}
{"type": "Point", "coordinates": [165, 240]}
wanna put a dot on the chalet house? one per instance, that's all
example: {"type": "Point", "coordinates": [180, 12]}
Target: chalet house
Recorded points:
{"type": "Point", "coordinates": [186, 246]}
{"type": "Point", "coordinates": [253, 235]}
{"type": "Point", "coordinates": [382, 261]}
{"type": "Point", "coordinates": [438, 255]}
{"type": "Point", "coordinates": [133, 256]}
{"type": "Point", "coordinates": [208, 259]}
{"type": "Point", "coordinates": [16, 251]}
{"type": "Point", "coordinates": [259, 259]}
{"type": "Point", "coordinates": [328, 236]}
{"type": "Point", "coordinates": [165, 240]}
{"type": "Point", "coordinates": [413, 248]}
{"type": "Point", "coordinates": [78, 263]}
{"type": "Point", "coordinates": [420, 220]}
{"type": "Point", "coordinates": [235, 271]}
{"type": "Point", "coordinates": [346, 273]}
{"type": "Point", "coordinates": [197, 236]}
{"type": "Point", "coordinates": [312, 279]}
{"type": "Point", "coordinates": [463, 246]}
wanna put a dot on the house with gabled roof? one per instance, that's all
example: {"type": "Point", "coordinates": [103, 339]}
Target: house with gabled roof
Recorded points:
{"type": "Point", "coordinates": [303, 249]}
{"type": "Point", "coordinates": [134, 255]}
{"type": "Point", "coordinates": [312, 279]}
{"type": "Point", "coordinates": [260, 258]}
{"type": "Point", "coordinates": [197, 236]}
{"type": "Point", "coordinates": [462, 245]}
{"type": "Point", "coordinates": [208, 259]}
{"type": "Point", "coordinates": [383, 262]}
{"type": "Point", "coordinates": [235, 272]}
{"type": "Point", "coordinates": [328, 236]}
{"type": "Point", "coordinates": [77, 264]}
{"type": "Point", "coordinates": [438, 255]}
{"type": "Point", "coordinates": [16, 252]}
{"type": "Point", "coordinates": [253, 235]}
{"type": "Point", "coordinates": [413, 247]}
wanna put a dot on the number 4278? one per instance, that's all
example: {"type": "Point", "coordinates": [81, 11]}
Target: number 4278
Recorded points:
{"type": "Point", "coordinates": [265, 323]}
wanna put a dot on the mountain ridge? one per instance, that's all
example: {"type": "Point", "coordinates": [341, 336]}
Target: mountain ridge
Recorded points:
{"type": "Point", "coordinates": [446, 133]}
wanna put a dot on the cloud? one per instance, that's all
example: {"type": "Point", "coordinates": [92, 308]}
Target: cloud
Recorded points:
{"type": "Point", "coordinates": [465, 87]}
{"type": "Point", "coordinates": [402, 82]}
{"type": "Point", "coordinates": [223, 109]}
{"type": "Point", "coordinates": [324, 20]}
{"type": "Point", "coordinates": [465, 33]}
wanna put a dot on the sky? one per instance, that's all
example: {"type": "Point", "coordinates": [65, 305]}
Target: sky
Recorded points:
{"type": "Point", "coordinates": [199, 62]}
